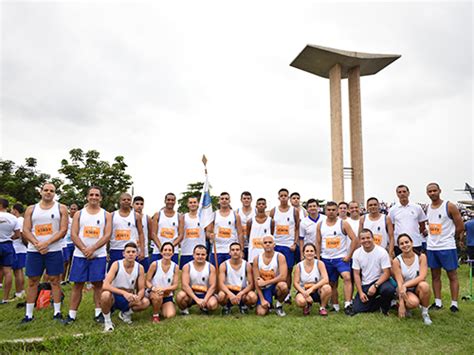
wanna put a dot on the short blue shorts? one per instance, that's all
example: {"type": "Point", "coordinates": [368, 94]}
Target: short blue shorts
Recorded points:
{"type": "Point", "coordinates": [184, 259]}
{"type": "Point", "coordinates": [198, 295]}
{"type": "Point", "coordinates": [145, 263]}
{"type": "Point", "coordinates": [114, 255]}
{"type": "Point", "coordinates": [155, 257]}
{"type": "Point", "coordinates": [19, 262]}
{"type": "Point", "coordinates": [335, 267]}
{"type": "Point", "coordinates": [7, 254]}
{"type": "Point", "coordinates": [221, 257]}
{"type": "Point", "coordinates": [67, 252]}
{"type": "Point", "coordinates": [316, 297]}
{"type": "Point", "coordinates": [268, 294]}
{"type": "Point", "coordinates": [37, 263]}
{"type": "Point", "coordinates": [446, 259]}
{"type": "Point", "coordinates": [289, 255]}
{"type": "Point", "coordinates": [167, 299]}
{"type": "Point", "coordinates": [120, 303]}
{"type": "Point", "coordinates": [88, 270]}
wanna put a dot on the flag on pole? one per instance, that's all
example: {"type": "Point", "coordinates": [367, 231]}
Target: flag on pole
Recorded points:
{"type": "Point", "coordinates": [205, 213]}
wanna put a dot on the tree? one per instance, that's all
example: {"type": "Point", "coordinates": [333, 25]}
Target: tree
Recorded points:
{"type": "Point", "coordinates": [85, 170]}
{"type": "Point", "coordinates": [194, 190]}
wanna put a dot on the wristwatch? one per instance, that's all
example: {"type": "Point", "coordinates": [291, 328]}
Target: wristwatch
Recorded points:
{"type": "Point", "coordinates": [376, 285]}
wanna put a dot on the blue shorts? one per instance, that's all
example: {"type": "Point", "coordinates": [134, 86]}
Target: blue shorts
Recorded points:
{"type": "Point", "coordinates": [67, 252]}
{"type": "Point", "coordinates": [145, 263]}
{"type": "Point", "coordinates": [36, 263]}
{"type": "Point", "coordinates": [120, 303]}
{"type": "Point", "coordinates": [335, 267]}
{"type": "Point", "coordinates": [19, 262]}
{"type": "Point", "coordinates": [268, 294]}
{"type": "Point", "coordinates": [316, 297]}
{"type": "Point", "coordinates": [155, 257]}
{"type": "Point", "coordinates": [221, 257]}
{"type": "Point", "coordinates": [198, 295]}
{"type": "Point", "coordinates": [167, 299]}
{"type": "Point", "coordinates": [289, 255]}
{"type": "Point", "coordinates": [88, 270]}
{"type": "Point", "coordinates": [446, 259]}
{"type": "Point", "coordinates": [114, 255]}
{"type": "Point", "coordinates": [7, 254]}
{"type": "Point", "coordinates": [246, 253]}
{"type": "Point", "coordinates": [184, 260]}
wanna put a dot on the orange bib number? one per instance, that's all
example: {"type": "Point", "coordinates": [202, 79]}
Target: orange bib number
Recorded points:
{"type": "Point", "coordinates": [192, 233]}
{"type": "Point", "coordinates": [43, 229]}
{"type": "Point", "coordinates": [378, 239]}
{"type": "Point", "coordinates": [436, 229]}
{"type": "Point", "coordinates": [234, 288]}
{"type": "Point", "coordinates": [167, 233]}
{"type": "Point", "coordinates": [91, 232]}
{"type": "Point", "coordinates": [333, 243]}
{"type": "Point", "coordinates": [257, 243]}
{"type": "Point", "coordinates": [267, 274]}
{"type": "Point", "coordinates": [122, 234]}
{"type": "Point", "coordinates": [224, 233]}
{"type": "Point", "coordinates": [199, 288]}
{"type": "Point", "coordinates": [306, 286]}
{"type": "Point", "coordinates": [282, 230]}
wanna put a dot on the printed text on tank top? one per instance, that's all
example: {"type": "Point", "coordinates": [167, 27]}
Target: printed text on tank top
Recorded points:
{"type": "Point", "coordinates": [236, 268]}
{"type": "Point", "coordinates": [123, 234]}
{"type": "Point", "coordinates": [166, 232]}
{"type": "Point", "coordinates": [199, 268]}
{"type": "Point", "coordinates": [267, 275]}
{"type": "Point", "coordinates": [378, 236]}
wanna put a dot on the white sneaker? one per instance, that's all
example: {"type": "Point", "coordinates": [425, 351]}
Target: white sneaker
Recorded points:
{"type": "Point", "coordinates": [185, 312]}
{"type": "Point", "coordinates": [108, 327]}
{"type": "Point", "coordinates": [125, 317]}
{"type": "Point", "coordinates": [280, 312]}
{"type": "Point", "coordinates": [426, 319]}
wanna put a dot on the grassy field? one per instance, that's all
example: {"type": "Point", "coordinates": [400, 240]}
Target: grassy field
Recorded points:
{"type": "Point", "coordinates": [367, 333]}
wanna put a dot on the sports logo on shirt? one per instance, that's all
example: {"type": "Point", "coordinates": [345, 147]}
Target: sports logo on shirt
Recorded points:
{"type": "Point", "coordinates": [52, 216]}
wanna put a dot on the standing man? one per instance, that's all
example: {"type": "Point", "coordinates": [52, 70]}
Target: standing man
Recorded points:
{"type": "Point", "coordinates": [258, 227]}
{"type": "Point", "coordinates": [445, 223]}
{"type": "Point", "coordinates": [335, 243]}
{"type": "Point", "coordinates": [166, 228]}
{"type": "Point", "coordinates": [138, 205]}
{"type": "Point", "coordinates": [342, 210]}
{"type": "Point", "coordinates": [407, 218]}
{"type": "Point", "coordinates": [371, 265]}
{"type": "Point", "coordinates": [9, 230]}
{"type": "Point", "coordinates": [90, 233]}
{"type": "Point", "coordinates": [20, 253]}
{"type": "Point", "coordinates": [308, 224]}
{"type": "Point", "coordinates": [44, 228]}
{"type": "Point", "coordinates": [194, 233]}
{"type": "Point", "coordinates": [225, 230]}
{"type": "Point", "coordinates": [246, 213]}
{"type": "Point", "coordinates": [354, 217]}
{"type": "Point", "coordinates": [126, 228]}
{"type": "Point", "coordinates": [380, 225]}
{"type": "Point", "coordinates": [68, 245]}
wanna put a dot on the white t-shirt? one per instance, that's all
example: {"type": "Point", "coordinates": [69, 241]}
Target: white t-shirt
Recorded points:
{"type": "Point", "coordinates": [18, 245]}
{"type": "Point", "coordinates": [371, 264]}
{"type": "Point", "coordinates": [8, 225]}
{"type": "Point", "coordinates": [406, 219]}
{"type": "Point", "coordinates": [308, 228]}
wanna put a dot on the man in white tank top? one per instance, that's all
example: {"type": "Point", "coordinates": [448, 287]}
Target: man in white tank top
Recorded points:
{"type": "Point", "coordinates": [138, 205]}
{"type": "Point", "coordinates": [124, 288]}
{"type": "Point", "coordinates": [236, 282]}
{"type": "Point", "coordinates": [166, 227]}
{"type": "Point", "coordinates": [20, 254]}
{"type": "Point", "coordinates": [225, 230]}
{"type": "Point", "coordinates": [354, 217]}
{"type": "Point", "coordinates": [44, 227]}
{"type": "Point", "coordinates": [445, 223]}
{"type": "Point", "coordinates": [269, 271]}
{"type": "Point", "coordinates": [90, 232]}
{"type": "Point", "coordinates": [257, 228]}
{"type": "Point", "coordinates": [246, 212]}
{"type": "Point", "coordinates": [193, 232]}
{"type": "Point", "coordinates": [308, 224]}
{"type": "Point", "coordinates": [295, 199]}
{"type": "Point", "coordinates": [198, 283]}
{"type": "Point", "coordinates": [68, 245]}
{"type": "Point", "coordinates": [380, 225]}
{"type": "Point", "coordinates": [126, 228]}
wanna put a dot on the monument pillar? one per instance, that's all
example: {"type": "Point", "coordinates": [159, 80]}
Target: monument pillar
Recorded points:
{"type": "Point", "coordinates": [336, 134]}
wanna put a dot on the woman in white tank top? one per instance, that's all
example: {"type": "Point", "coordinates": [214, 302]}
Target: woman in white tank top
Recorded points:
{"type": "Point", "coordinates": [311, 281]}
{"type": "Point", "coordinates": [410, 272]}
{"type": "Point", "coordinates": [161, 281]}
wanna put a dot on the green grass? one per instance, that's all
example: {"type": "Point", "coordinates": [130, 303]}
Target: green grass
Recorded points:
{"type": "Point", "coordinates": [366, 333]}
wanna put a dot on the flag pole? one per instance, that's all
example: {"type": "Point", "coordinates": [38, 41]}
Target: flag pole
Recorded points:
{"type": "Point", "coordinates": [204, 161]}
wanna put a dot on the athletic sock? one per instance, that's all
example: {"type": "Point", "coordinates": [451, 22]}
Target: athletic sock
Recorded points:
{"type": "Point", "coordinates": [424, 310]}
{"type": "Point", "coordinates": [72, 314]}
{"type": "Point", "coordinates": [438, 302]}
{"type": "Point", "coordinates": [18, 294]}
{"type": "Point", "coordinates": [336, 307]}
{"type": "Point", "coordinates": [347, 304]}
{"type": "Point", "coordinates": [278, 304]}
{"type": "Point", "coordinates": [57, 308]}
{"type": "Point", "coordinates": [454, 303]}
{"type": "Point", "coordinates": [156, 314]}
{"type": "Point", "coordinates": [97, 311]}
{"type": "Point", "coordinates": [129, 312]}
{"type": "Point", "coordinates": [29, 309]}
{"type": "Point", "coordinates": [107, 318]}
{"type": "Point", "coordinates": [321, 308]}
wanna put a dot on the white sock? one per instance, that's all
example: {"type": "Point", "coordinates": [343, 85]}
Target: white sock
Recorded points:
{"type": "Point", "coordinates": [347, 304]}
{"type": "Point", "coordinates": [107, 318]}
{"type": "Point", "coordinates": [278, 304]}
{"type": "Point", "coordinates": [129, 312]}
{"type": "Point", "coordinates": [97, 311]}
{"type": "Point", "coordinates": [438, 302]}
{"type": "Point", "coordinates": [29, 309]}
{"type": "Point", "coordinates": [57, 308]}
{"type": "Point", "coordinates": [454, 303]}
{"type": "Point", "coordinates": [156, 314]}
{"type": "Point", "coordinates": [424, 310]}
{"type": "Point", "coordinates": [72, 314]}
{"type": "Point", "coordinates": [18, 294]}
{"type": "Point", "coordinates": [336, 307]}
{"type": "Point", "coordinates": [321, 308]}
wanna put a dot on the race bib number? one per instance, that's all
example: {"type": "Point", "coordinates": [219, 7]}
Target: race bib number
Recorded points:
{"type": "Point", "coordinates": [378, 239]}
{"type": "Point", "coordinates": [167, 233]}
{"type": "Point", "coordinates": [436, 228]}
{"type": "Point", "coordinates": [234, 288]}
{"type": "Point", "coordinates": [123, 234]}
{"type": "Point", "coordinates": [309, 285]}
{"type": "Point", "coordinates": [267, 274]}
{"type": "Point", "coordinates": [257, 243]}
{"type": "Point", "coordinates": [199, 288]}
{"type": "Point", "coordinates": [333, 243]}
{"type": "Point", "coordinates": [192, 233]}
{"type": "Point", "coordinates": [224, 233]}
{"type": "Point", "coordinates": [282, 230]}
{"type": "Point", "coordinates": [91, 232]}
{"type": "Point", "coordinates": [43, 229]}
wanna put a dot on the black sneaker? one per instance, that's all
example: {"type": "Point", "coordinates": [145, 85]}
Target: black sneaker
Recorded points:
{"type": "Point", "coordinates": [435, 307]}
{"type": "Point", "coordinates": [205, 311]}
{"type": "Point", "coordinates": [244, 310]}
{"type": "Point", "coordinates": [225, 311]}
{"type": "Point", "coordinates": [453, 308]}
{"type": "Point", "coordinates": [26, 320]}
{"type": "Point", "coordinates": [100, 318]}
{"type": "Point", "coordinates": [58, 316]}
{"type": "Point", "coordinates": [68, 320]}
{"type": "Point", "coordinates": [348, 310]}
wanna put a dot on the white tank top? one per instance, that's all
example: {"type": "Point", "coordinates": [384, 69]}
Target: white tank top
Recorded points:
{"type": "Point", "coordinates": [334, 243]}
{"type": "Point", "coordinates": [284, 227]}
{"type": "Point", "coordinates": [45, 223]}
{"type": "Point", "coordinates": [124, 230]}
{"type": "Point", "coordinates": [145, 233]}
{"type": "Point", "coordinates": [199, 280]}
{"type": "Point", "coordinates": [271, 270]}
{"type": "Point", "coordinates": [308, 279]}
{"type": "Point", "coordinates": [123, 279]}
{"type": "Point", "coordinates": [257, 232]}
{"type": "Point", "coordinates": [91, 229]}
{"type": "Point", "coordinates": [164, 279]}
{"type": "Point", "coordinates": [354, 225]}
{"type": "Point", "coordinates": [18, 245]}
{"type": "Point", "coordinates": [193, 235]}
{"type": "Point", "coordinates": [379, 229]}
{"type": "Point", "coordinates": [167, 229]}
{"type": "Point", "coordinates": [409, 272]}
{"type": "Point", "coordinates": [236, 280]}
{"type": "Point", "coordinates": [67, 238]}
{"type": "Point", "coordinates": [441, 228]}
{"type": "Point", "coordinates": [225, 231]}
{"type": "Point", "coordinates": [244, 218]}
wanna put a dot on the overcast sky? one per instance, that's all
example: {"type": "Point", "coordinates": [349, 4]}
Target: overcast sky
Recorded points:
{"type": "Point", "coordinates": [161, 84]}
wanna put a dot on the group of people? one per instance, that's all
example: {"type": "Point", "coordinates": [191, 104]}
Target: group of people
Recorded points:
{"type": "Point", "coordinates": [249, 257]}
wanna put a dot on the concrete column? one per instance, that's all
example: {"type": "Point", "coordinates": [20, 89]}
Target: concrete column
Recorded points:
{"type": "Point", "coordinates": [336, 134]}
{"type": "Point", "coordinates": [355, 123]}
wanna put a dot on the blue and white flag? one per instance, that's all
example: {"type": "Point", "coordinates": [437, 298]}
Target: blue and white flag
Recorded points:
{"type": "Point", "coordinates": [205, 213]}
